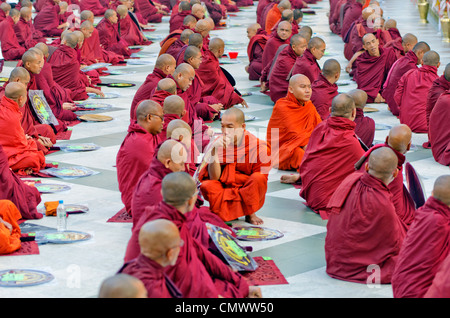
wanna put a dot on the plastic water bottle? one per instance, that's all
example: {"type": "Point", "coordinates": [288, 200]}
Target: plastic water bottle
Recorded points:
{"type": "Point", "coordinates": [228, 21]}
{"type": "Point", "coordinates": [61, 217]}
{"type": "Point", "coordinates": [2, 60]}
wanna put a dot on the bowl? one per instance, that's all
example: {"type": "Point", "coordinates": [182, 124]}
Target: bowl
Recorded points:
{"type": "Point", "coordinates": [233, 55]}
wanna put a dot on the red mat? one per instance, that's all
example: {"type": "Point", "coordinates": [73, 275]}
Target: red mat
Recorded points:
{"type": "Point", "coordinates": [266, 274]}
{"type": "Point", "coordinates": [121, 217]}
{"type": "Point", "coordinates": [64, 135]}
{"type": "Point", "coordinates": [26, 248]}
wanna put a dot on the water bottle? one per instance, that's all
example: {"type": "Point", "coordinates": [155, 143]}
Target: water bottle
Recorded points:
{"type": "Point", "coordinates": [61, 217]}
{"type": "Point", "coordinates": [2, 60]}
{"type": "Point", "coordinates": [228, 21]}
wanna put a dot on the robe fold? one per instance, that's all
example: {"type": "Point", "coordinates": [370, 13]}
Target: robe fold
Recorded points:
{"type": "Point", "coordinates": [365, 127]}
{"type": "Point", "coordinates": [9, 240]}
{"type": "Point", "coordinates": [439, 133]}
{"type": "Point", "coordinates": [255, 50]}
{"type": "Point", "coordinates": [307, 65]}
{"type": "Point", "coordinates": [131, 32]}
{"type": "Point", "coordinates": [201, 103]}
{"type": "Point", "coordinates": [26, 36]}
{"type": "Point", "coordinates": [439, 86]}
{"type": "Point", "coordinates": [133, 159]}
{"type": "Point", "coordinates": [270, 50]}
{"type": "Point", "coordinates": [110, 39]}
{"type": "Point", "coordinates": [92, 52]}
{"type": "Point", "coordinates": [332, 141]}
{"type": "Point", "coordinates": [350, 15]}
{"type": "Point", "coordinates": [174, 48]}
{"type": "Point", "coordinates": [278, 76]}
{"type": "Point", "coordinates": [94, 6]}
{"type": "Point", "coordinates": [47, 19]}
{"type": "Point", "coordinates": [322, 95]}
{"type": "Point", "coordinates": [272, 18]}
{"type": "Point", "coordinates": [440, 288]}
{"type": "Point", "coordinates": [411, 97]}
{"type": "Point", "coordinates": [148, 11]}
{"type": "Point", "coordinates": [11, 49]}
{"type": "Point", "coordinates": [363, 230]}
{"type": "Point", "coordinates": [336, 16]}
{"type": "Point", "coordinates": [424, 248]}
{"type": "Point", "coordinates": [295, 122]}
{"type": "Point", "coordinates": [176, 21]}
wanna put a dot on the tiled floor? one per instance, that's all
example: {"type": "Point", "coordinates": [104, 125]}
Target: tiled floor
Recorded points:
{"type": "Point", "coordinates": [80, 268]}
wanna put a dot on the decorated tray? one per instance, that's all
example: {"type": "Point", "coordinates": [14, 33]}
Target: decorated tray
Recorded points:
{"type": "Point", "coordinates": [95, 118]}
{"type": "Point", "coordinates": [121, 85]}
{"type": "Point", "coordinates": [254, 233]}
{"type": "Point", "coordinates": [24, 277]}
{"type": "Point", "coordinates": [51, 188]}
{"type": "Point", "coordinates": [70, 172]}
{"type": "Point", "coordinates": [76, 208]}
{"type": "Point", "coordinates": [79, 147]}
{"type": "Point", "coordinates": [64, 237]}
{"type": "Point", "coordinates": [107, 96]}
{"type": "Point", "coordinates": [93, 105]}
{"type": "Point", "coordinates": [95, 66]}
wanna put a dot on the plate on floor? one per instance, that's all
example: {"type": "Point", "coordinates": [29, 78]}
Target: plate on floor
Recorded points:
{"type": "Point", "coordinates": [70, 172]}
{"type": "Point", "coordinates": [93, 105]}
{"type": "Point", "coordinates": [62, 237]}
{"type": "Point", "coordinates": [254, 233]}
{"type": "Point", "coordinates": [107, 96]}
{"type": "Point", "coordinates": [95, 118]}
{"type": "Point", "coordinates": [51, 188]}
{"type": "Point", "coordinates": [79, 147]}
{"type": "Point", "coordinates": [76, 208]}
{"type": "Point", "coordinates": [120, 85]}
{"type": "Point", "coordinates": [95, 66]}
{"type": "Point", "coordinates": [24, 277]}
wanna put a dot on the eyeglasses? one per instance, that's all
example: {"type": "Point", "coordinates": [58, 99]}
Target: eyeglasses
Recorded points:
{"type": "Point", "coordinates": [161, 117]}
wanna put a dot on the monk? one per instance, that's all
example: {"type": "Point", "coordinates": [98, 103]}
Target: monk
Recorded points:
{"type": "Point", "coordinates": [324, 88]}
{"type": "Point", "coordinates": [128, 29]}
{"type": "Point", "coordinates": [94, 6]}
{"type": "Point", "coordinates": [149, 11]}
{"type": "Point", "coordinates": [189, 23]}
{"type": "Point", "coordinates": [108, 33]}
{"type": "Point", "coordinates": [400, 67]}
{"type": "Point", "coordinates": [122, 286]}
{"type": "Point", "coordinates": [439, 86]}
{"type": "Point", "coordinates": [11, 49]}
{"type": "Point", "coordinates": [412, 90]}
{"type": "Point", "coordinates": [351, 13]}
{"type": "Point", "coordinates": [160, 245]}
{"type": "Point", "coordinates": [23, 154]}
{"type": "Point", "coordinates": [179, 43]}
{"type": "Point", "coordinates": [363, 229]}
{"type": "Point", "coordinates": [274, 14]}
{"type": "Point", "coordinates": [24, 29]}
{"type": "Point", "coordinates": [195, 39]}
{"type": "Point", "coordinates": [417, 266]}
{"type": "Point", "coordinates": [440, 288]}
{"type": "Point", "coordinates": [258, 39]}
{"type": "Point", "coordinates": [365, 126]}
{"type": "Point", "coordinates": [165, 88]}
{"type": "Point", "coordinates": [9, 228]}
{"type": "Point", "coordinates": [47, 19]}
{"type": "Point", "coordinates": [439, 134]}
{"type": "Point", "coordinates": [373, 67]}
{"type": "Point", "coordinates": [294, 117]}
{"type": "Point", "coordinates": [307, 64]}
{"type": "Point", "coordinates": [138, 148]}
{"type": "Point", "coordinates": [165, 65]}
{"type": "Point", "coordinates": [176, 20]}
{"type": "Point", "coordinates": [5, 8]}
{"type": "Point", "coordinates": [278, 75]}
{"type": "Point", "coordinates": [235, 181]}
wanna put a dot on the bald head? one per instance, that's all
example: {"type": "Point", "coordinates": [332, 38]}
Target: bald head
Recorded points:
{"type": "Point", "coordinates": [399, 138]}
{"type": "Point", "coordinates": [421, 47]}
{"type": "Point", "coordinates": [6, 7]}
{"type": "Point", "coordinates": [172, 153]}
{"type": "Point", "coordinates": [198, 11]}
{"type": "Point", "coordinates": [431, 58]}
{"type": "Point", "coordinates": [122, 286]}
{"type": "Point", "coordinates": [216, 45]}
{"type": "Point", "coordinates": [331, 69]}
{"type": "Point", "coordinates": [284, 5]}
{"type": "Point", "coordinates": [173, 104]}
{"type": "Point", "coordinates": [167, 85]}
{"type": "Point", "coordinates": [306, 32]}
{"type": "Point", "coordinates": [390, 24]}
{"type": "Point", "coordinates": [19, 74]}
{"type": "Point", "coordinates": [191, 52]}
{"type": "Point", "coordinates": [122, 10]}
{"type": "Point", "coordinates": [196, 39]}
{"type": "Point", "coordinates": [441, 189]}
{"type": "Point", "coordinates": [42, 47]}
{"type": "Point", "coordinates": [180, 130]}
{"type": "Point", "coordinates": [184, 37]}
{"type": "Point", "coordinates": [71, 39]}
{"type": "Point", "coordinates": [178, 188]}
{"type": "Point", "coordinates": [383, 164]}
{"type": "Point", "coordinates": [166, 63]}
{"type": "Point", "coordinates": [15, 91]}
{"type": "Point", "coordinates": [342, 105]}
{"type": "Point", "coordinates": [252, 29]}
{"type": "Point", "coordinates": [234, 114]}
{"type": "Point", "coordinates": [87, 15]}
{"type": "Point", "coordinates": [189, 21]}
{"type": "Point", "coordinates": [409, 40]}
{"type": "Point", "coordinates": [359, 97]}
{"type": "Point", "coordinates": [147, 107]}
{"type": "Point", "coordinates": [203, 26]}
{"type": "Point", "coordinates": [447, 72]}
{"type": "Point", "coordinates": [26, 13]}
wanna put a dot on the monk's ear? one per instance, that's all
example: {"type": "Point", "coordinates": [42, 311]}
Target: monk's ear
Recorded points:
{"type": "Point", "coordinates": [183, 113]}
{"type": "Point", "coordinates": [409, 146]}
{"type": "Point", "coordinates": [366, 166]}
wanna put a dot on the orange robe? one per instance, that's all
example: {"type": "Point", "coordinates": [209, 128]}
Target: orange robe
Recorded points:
{"type": "Point", "coordinates": [241, 189]}
{"type": "Point", "coordinates": [9, 240]}
{"type": "Point", "coordinates": [272, 18]}
{"type": "Point", "coordinates": [295, 122]}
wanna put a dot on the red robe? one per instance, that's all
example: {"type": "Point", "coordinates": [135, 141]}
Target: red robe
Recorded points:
{"type": "Point", "coordinates": [92, 52]}
{"type": "Point", "coordinates": [273, 16]}
{"type": "Point", "coordinates": [351, 14]}
{"type": "Point", "coordinates": [440, 288]}
{"type": "Point", "coordinates": [270, 50]}
{"type": "Point", "coordinates": [174, 49]}
{"type": "Point", "coordinates": [47, 20]}
{"type": "Point", "coordinates": [148, 11]}
{"type": "Point", "coordinates": [130, 32]}
{"type": "Point", "coordinates": [307, 65]}
{"type": "Point", "coordinates": [365, 127]}
{"type": "Point", "coordinates": [334, 18]}
{"type": "Point", "coordinates": [260, 8]}
{"type": "Point", "coordinates": [333, 140]}
{"type": "Point", "coordinates": [372, 71]}
{"type": "Point", "coordinates": [152, 275]}
{"type": "Point", "coordinates": [440, 85]}
{"type": "Point", "coordinates": [255, 51]}
{"type": "Point", "coordinates": [439, 132]}
{"type": "Point", "coordinates": [278, 75]}
{"type": "Point", "coordinates": [362, 230]}
{"type": "Point", "coordinates": [353, 38]}
{"type": "Point", "coordinates": [176, 20]}
{"type": "Point", "coordinates": [94, 6]}
{"type": "Point", "coordinates": [400, 67]}
{"type": "Point", "coordinates": [26, 36]}
{"type": "Point", "coordinates": [425, 247]}
{"type": "Point", "coordinates": [12, 188]}
{"type": "Point", "coordinates": [133, 159]}
{"type": "Point", "coordinates": [323, 93]}
{"type": "Point", "coordinates": [11, 49]}
{"type": "Point", "coordinates": [195, 263]}
{"type": "Point", "coordinates": [9, 240]}
{"type": "Point", "coordinates": [411, 97]}
{"type": "Point", "coordinates": [110, 39]}
{"type": "Point", "coordinates": [201, 103]}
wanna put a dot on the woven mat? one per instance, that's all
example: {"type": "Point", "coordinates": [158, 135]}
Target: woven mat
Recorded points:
{"type": "Point", "coordinates": [267, 273]}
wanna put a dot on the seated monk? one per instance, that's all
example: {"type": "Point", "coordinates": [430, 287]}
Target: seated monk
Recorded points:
{"type": "Point", "coordinates": [439, 134]}
{"type": "Point", "coordinates": [94, 6]}
{"type": "Point", "coordinates": [294, 117]}
{"type": "Point", "coordinates": [363, 229]}
{"type": "Point", "coordinates": [177, 18]}
{"type": "Point", "coordinates": [128, 29]}
{"type": "Point", "coordinates": [160, 244]}
{"type": "Point", "coordinates": [24, 29]}
{"type": "Point", "coordinates": [400, 67]}
{"type": "Point", "coordinates": [216, 82]}
{"type": "Point", "coordinates": [189, 23]}
{"type": "Point", "coordinates": [274, 14]}
{"type": "Point", "coordinates": [165, 65]}
{"type": "Point", "coordinates": [11, 49]}
{"type": "Point", "coordinates": [23, 194]}
{"type": "Point", "coordinates": [9, 228]}
{"type": "Point", "coordinates": [5, 8]}
{"type": "Point", "coordinates": [108, 33]}
{"type": "Point", "coordinates": [138, 148]}
{"type": "Point", "coordinates": [351, 13]}
{"type": "Point", "coordinates": [440, 288]}
{"type": "Point", "coordinates": [23, 154]}
{"type": "Point", "coordinates": [165, 87]}
{"type": "Point", "coordinates": [333, 140]}
{"type": "Point", "coordinates": [47, 19]}
{"type": "Point", "coordinates": [412, 91]}
{"type": "Point", "coordinates": [150, 11]}
{"type": "Point", "coordinates": [235, 181]}
{"type": "Point", "coordinates": [278, 75]}
{"type": "Point", "coordinates": [373, 67]}
{"type": "Point", "coordinates": [195, 263]}
{"type": "Point", "coordinates": [365, 126]}
{"type": "Point", "coordinates": [417, 266]}
{"type": "Point", "coordinates": [258, 39]}
{"type": "Point", "coordinates": [324, 88]}
{"type": "Point", "coordinates": [287, 15]}
{"type": "Point", "coordinates": [195, 39]}
{"type": "Point", "coordinates": [122, 286]}
{"type": "Point", "coordinates": [440, 85]}
{"type": "Point", "coordinates": [63, 14]}
{"type": "Point", "coordinates": [66, 69]}
{"type": "Point", "coordinates": [307, 63]}
{"type": "Point", "coordinates": [176, 46]}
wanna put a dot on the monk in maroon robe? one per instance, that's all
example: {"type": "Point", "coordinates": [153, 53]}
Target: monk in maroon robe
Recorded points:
{"type": "Point", "coordinates": [47, 19]}
{"type": "Point", "coordinates": [148, 10]}
{"type": "Point", "coordinates": [94, 6]}
{"type": "Point", "coordinates": [324, 88]}
{"type": "Point", "coordinates": [336, 13]}
{"type": "Point", "coordinates": [439, 132]}
{"type": "Point", "coordinates": [176, 20]}
{"type": "Point", "coordinates": [412, 90]}
{"type": "Point", "coordinates": [417, 266]}
{"type": "Point", "coordinates": [5, 8]}
{"type": "Point", "coordinates": [11, 49]}
{"type": "Point", "coordinates": [138, 148]}
{"type": "Point", "coordinates": [351, 13]}
{"type": "Point", "coordinates": [307, 63]}
{"type": "Point", "coordinates": [400, 67]}
{"type": "Point", "coordinates": [175, 48]}
{"type": "Point", "coordinates": [128, 29]}
{"type": "Point", "coordinates": [365, 126]}
{"type": "Point", "coordinates": [363, 229]}
{"type": "Point", "coordinates": [439, 86]}
{"type": "Point", "coordinates": [255, 49]}
{"type": "Point", "coordinates": [108, 33]}
{"type": "Point", "coordinates": [24, 29]}
{"type": "Point", "coordinates": [440, 288]}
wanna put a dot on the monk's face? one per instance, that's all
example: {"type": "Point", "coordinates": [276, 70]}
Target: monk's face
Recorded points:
{"type": "Point", "coordinates": [185, 79]}
{"type": "Point", "coordinates": [300, 47]}
{"type": "Point", "coordinates": [232, 130]}
{"type": "Point", "coordinates": [155, 122]}
{"type": "Point", "coordinates": [318, 52]}
{"type": "Point", "coordinates": [113, 19]}
{"type": "Point", "coordinates": [177, 163]}
{"type": "Point", "coordinates": [87, 32]}
{"type": "Point", "coordinates": [36, 65]}
{"type": "Point", "coordinates": [371, 45]}
{"type": "Point", "coordinates": [196, 60]}
{"type": "Point", "coordinates": [301, 89]}
{"type": "Point", "coordinates": [251, 32]}
{"type": "Point", "coordinates": [284, 30]}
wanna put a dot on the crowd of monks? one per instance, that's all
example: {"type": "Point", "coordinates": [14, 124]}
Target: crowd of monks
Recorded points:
{"type": "Point", "coordinates": [376, 233]}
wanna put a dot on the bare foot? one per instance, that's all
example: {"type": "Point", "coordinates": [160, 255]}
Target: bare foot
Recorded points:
{"type": "Point", "coordinates": [253, 219]}
{"type": "Point", "coordinates": [290, 178]}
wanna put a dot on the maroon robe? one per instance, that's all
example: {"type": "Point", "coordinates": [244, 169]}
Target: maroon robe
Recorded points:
{"type": "Point", "coordinates": [333, 140]}
{"type": "Point", "coordinates": [195, 263]}
{"type": "Point", "coordinates": [11, 49]}
{"type": "Point", "coordinates": [131, 32]}
{"type": "Point", "coordinates": [110, 39]}
{"type": "Point", "coordinates": [92, 52]}
{"type": "Point", "coordinates": [148, 11]}
{"type": "Point", "coordinates": [362, 230]}
{"type": "Point", "coordinates": [439, 132]}
{"type": "Point", "coordinates": [365, 127]}
{"type": "Point", "coordinates": [440, 288]}
{"type": "Point", "coordinates": [47, 20]}
{"type": "Point", "coordinates": [353, 39]}
{"type": "Point", "coordinates": [175, 48]}
{"type": "Point", "coordinates": [440, 85]}
{"type": "Point", "coordinates": [322, 95]}
{"type": "Point", "coordinates": [351, 14]}
{"type": "Point", "coordinates": [271, 48]}
{"type": "Point", "coordinates": [25, 35]}
{"type": "Point", "coordinates": [133, 159]}
{"type": "Point", "coordinates": [336, 16]}
{"type": "Point", "coordinates": [411, 97]}
{"type": "Point", "coordinates": [94, 6]}
{"type": "Point", "coordinates": [255, 51]}
{"type": "Point", "coordinates": [278, 75]}
{"type": "Point", "coordinates": [307, 65]}
{"type": "Point", "coordinates": [400, 67]}
{"type": "Point", "coordinates": [372, 71]}
{"type": "Point", "coordinates": [176, 20]}
{"type": "Point", "coordinates": [201, 103]}
{"type": "Point", "coordinates": [425, 247]}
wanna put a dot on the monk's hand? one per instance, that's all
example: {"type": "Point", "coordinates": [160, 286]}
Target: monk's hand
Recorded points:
{"type": "Point", "coordinates": [263, 87]}
{"type": "Point", "coordinates": [8, 225]}
{"type": "Point", "coordinates": [254, 292]}
{"type": "Point", "coordinates": [28, 137]}
{"type": "Point", "coordinates": [244, 103]}
{"type": "Point", "coordinates": [379, 99]}
{"type": "Point", "coordinates": [69, 106]}
{"type": "Point", "coordinates": [348, 68]}
{"type": "Point", "coordinates": [29, 171]}
{"type": "Point", "coordinates": [29, 183]}
{"type": "Point", "coordinates": [217, 107]}
{"type": "Point", "coordinates": [45, 141]}
{"type": "Point", "coordinates": [95, 91]}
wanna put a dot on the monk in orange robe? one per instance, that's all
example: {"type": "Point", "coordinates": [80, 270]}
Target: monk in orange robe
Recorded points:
{"type": "Point", "coordinates": [9, 228]}
{"type": "Point", "coordinates": [235, 180]}
{"type": "Point", "coordinates": [274, 14]}
{"type": "Point", "coordinates": [23, 155]}
{"type": "Point", "coordinates": [293, 119]}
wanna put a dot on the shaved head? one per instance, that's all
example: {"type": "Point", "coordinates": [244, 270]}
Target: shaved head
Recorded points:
{"type": "Point", "coordinates": [178, 188]}
{"type": "Point", "coordinates": [147, 107]}
{"type": "Point", "coordinates": [359, 97]}
{"type": "Point", "coordinates": [157, 238]}
{"type": "Point", "coordinates": [390, 24]}
{"type": "Point", "coordinates": [447, 72]}
{"type": "Point", "coordinates": [180, 130]}
{"type": "Point", "coordinates": [431, 58]}
{"type": "Point", "coordinates": [196, 39]}
{"type": "Point", "coordinates": [441, 189]}
{"type": "Point", "coordinates": [331, 68]}
{"type": "Point", "coordinates": [71, 39]}
{"type": "Point", "coordinates": [42, 47]}
{"type": "Point", "coordinates": [173, 104]}
{"type": "Point", "coordinates": [234, 114]}
{"type": "Point", "coordinates": [172, 154]}
{"type": "Point", "coordinates": [15, 90]}
{"type": "Point", "coordinates": [252, 29]}
{"type": "Point", "coordinates": [399, 138]}
{"type": "Point", "coordinates": [306, 32]}
{"type": "Point", "coordinates": [216, 44]}
{"type": "Point", "coordinates": [165, 60]}
{"type": "Point", "coordinates": [383, 164]}
{"type": "Point", "coordinates": [86, 15]}
{"type": "Point", "coordinates": [184, 37]}
{"type": "Point", "coordinates": [421, 46]}
{"type": "Point", "coordinates": [167, 85]}
{"type": "Point", "coordinates": [342, 105]}
{"type": "Point", "coordinates": [19, 74]}
{"type": "Point", "coordinates": [122, 286]}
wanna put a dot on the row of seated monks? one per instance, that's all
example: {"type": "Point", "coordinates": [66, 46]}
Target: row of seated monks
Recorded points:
{"type": "Point", "coordinates": [314, 131]}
